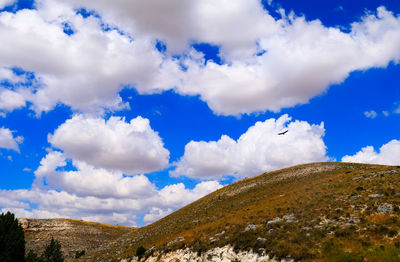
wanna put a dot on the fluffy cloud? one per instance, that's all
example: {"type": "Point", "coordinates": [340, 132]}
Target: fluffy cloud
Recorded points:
{"type": "Point", "coordinates": [10, 100]}
{"type": "Point", "coordinates": [178, 22]}
{"type": "Point", "coordinates": [388, 154]}
{"type": "Point", "coordinates": [85, 70]}
{"type": "Point", "coordinates": [370, 114]}
{"type": "Point", "coordinates": [123, 211]}
{"type": "Point", "coordinates": [113, 144]}
{"type": "Point", "coordinates": [300, 61]}
{"type": "Point", "coordinates": [90, 181]}
{"type": "Point", "coordinates": [177, 195]}
{"type": "Point", "coordinates": [258, 150]}
{"type": "Point", "coordinates": [7, 140]}
{"type": "Point", "coordinates": [272, 64]}
{"type": "Point", "coordinates": [155, 214]}
{"type": "Point", "coordinates": [5, 3]}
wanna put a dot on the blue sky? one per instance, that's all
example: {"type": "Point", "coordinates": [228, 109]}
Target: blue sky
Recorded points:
{"type": "Point", "coordinates": [124, 112]}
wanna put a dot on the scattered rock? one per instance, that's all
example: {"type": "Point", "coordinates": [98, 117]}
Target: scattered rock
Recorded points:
{"type": "Point", "coordinates": [274, 221]}
{"type": "Point", "coordinates": [213, 239]}
{"type": "Point", "coordinates": [385, 208]}
{"type": "Point", "coordinates": [219, 234]}
{"type": "Point", "coordinates": [250, 227]}
{"type": "Point", "coordinates": [178, 239]}
{"type": "Point", "coordinates": [375, 195]}
{"type": "Point", "coordinates": [271, 231]}
{"type": "Point", "coordinates": [261, 240]}
{"type": "Point", "coordinates": [354, 197]}
{"type": "Point", "coordinates": [290, 218]}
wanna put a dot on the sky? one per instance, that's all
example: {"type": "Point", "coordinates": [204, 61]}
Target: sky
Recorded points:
{"type": "Point", "coordinates": [122, 112]}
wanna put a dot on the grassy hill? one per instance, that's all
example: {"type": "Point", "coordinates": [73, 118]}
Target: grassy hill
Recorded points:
{"type": "Point", "coordinates": [74, 235]}
{"type": "Point", "coordinates": [313, 212]}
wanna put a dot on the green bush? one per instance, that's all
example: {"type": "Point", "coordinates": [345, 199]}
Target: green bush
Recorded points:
{"type": "Point", "coordinates": [52, 252]}
{"type": "Point", "coordinates": [140, 252]}
{"type": "Point", "coordinates": [33, 257]}
{"type": "Point", "coordinates": [12, 240]}
{"type": "Point", "coordinates": [78, 254]}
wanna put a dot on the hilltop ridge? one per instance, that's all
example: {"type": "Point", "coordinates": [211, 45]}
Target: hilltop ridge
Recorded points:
{"type": "Point", "coordinates": [308, 212]}
{"type": "Point", "coordinates": [74, 235]}
{"type": "Point", "coordinates": [312, 212]}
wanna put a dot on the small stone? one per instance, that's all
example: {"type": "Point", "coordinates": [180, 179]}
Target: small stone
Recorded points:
{"type": "Point", "coordinates": [271, 231]}
{"type": "Point", "coordinates": [385, 208]}
{"type": "Point", "coordinates": [261, 240]}
{"type": "Point", "coordinates": [220, 234]}
{"type": "Point", "coordinates": [354, 197]}
{"type": "Point", "coordinates": [375, 195]}
{"type": "Point", "coordinates": [250, 227]}
{"type": "Point", "coordinates": [274, 221]}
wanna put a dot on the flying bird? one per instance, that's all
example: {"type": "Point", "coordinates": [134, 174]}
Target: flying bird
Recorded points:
{"type": "Point", "coordinates": [282, 133]}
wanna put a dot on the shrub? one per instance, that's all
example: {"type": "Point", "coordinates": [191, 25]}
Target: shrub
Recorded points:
{"type": "Point", "coordinates": [33, 257]}
{"type": "Point", "coordinates": [52, 252]}
{"type": "Point", "coordinates": [78, 254]}
{"type": "Point", "coordinates": [12, 240]}
{"type": "Point", "coordinates": [140, 252]}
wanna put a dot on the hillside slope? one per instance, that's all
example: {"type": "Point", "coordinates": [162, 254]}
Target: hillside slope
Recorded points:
{"type": "Point", "coordinates": [318, 211]}
{"type": "Point", "coordinates": [74, 235]}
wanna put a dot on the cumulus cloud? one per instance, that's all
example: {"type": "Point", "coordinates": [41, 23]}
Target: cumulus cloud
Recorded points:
{"type": "Point", "coordinates": [85, 70]}
{"type": "Point", "coordinates": [88, 180]}
{"type": "Point", "coordinates": [5, 3]}
{"type": "Point", "coordinates": [178, 22]}
{"type": "Point", "coordinates": [124, 211]}
{"type": "Point", "coordinates": [114, 144]}
{"type": "Point", "coordinates": [272, 64]}
{"type": "Point", "coordinates": [155, 214]}
{"type": "Point", "coordinates": [388, 154]}
{"type": "Point", "coordinates": [8, 141]}
{"type": "Point", "coordinates": [10, 100]}
{"type": "Point", "coordinates": [370, 114]}
{"type": "Point", "coordinates": [177, 195]}
{"type": "Point", "coordinates": [258, 150]}
{"type": "Point", "coordinates": [300, 61]}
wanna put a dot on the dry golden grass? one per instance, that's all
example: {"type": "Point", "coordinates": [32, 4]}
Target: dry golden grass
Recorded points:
{"type": "Point", "coordinates": [74, 235]}
{"type": "Point", "coordinates": [334, 216]}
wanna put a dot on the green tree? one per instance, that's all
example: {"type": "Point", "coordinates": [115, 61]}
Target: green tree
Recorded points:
{"type": "Point", "coordinates": [33, 257]}
{"type": "Point", "coordinates": [52, 252]}
{"type": "Point", "coordinates": [140, 252]}
{"type": "Point", "coordinates": [12, 240]}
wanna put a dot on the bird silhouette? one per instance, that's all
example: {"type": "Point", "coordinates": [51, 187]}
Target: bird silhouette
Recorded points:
{"type": "Point", "coordinates": [282, 133]}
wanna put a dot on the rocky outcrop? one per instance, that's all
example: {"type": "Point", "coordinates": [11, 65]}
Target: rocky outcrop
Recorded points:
{"type": "Point", "coordinates": [74, 236]}
{"type": "Point", "coordinates": [219, 254]}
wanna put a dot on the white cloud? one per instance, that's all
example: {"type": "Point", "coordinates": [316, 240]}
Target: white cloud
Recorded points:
{"type": "Point", "coordinates": [301, 60]}
{"type": "Point", "coordinates": [5, 3]}
{"type": "Point", "coordinates": [258, 150]}
{"type": "Point", "coordinates": [155, 214]}
{"type": "Point", "coordinates": [10, 100]}
{"type": "Point", "coordinates": [388, 154]}
{"type": "Point", "coordinates": [114, 144]}
{"type": "Point", "coordinates": [370, 114]}
{"type": "Point", "coordinates": [178, 22]}
{"type": "Point", "coordinates": [298, 59]}
{"type": "Point", "coordinates": [52, 203]}
{"type": "Point", "coordinates": [85, 70]}
{"type": "Point", "coordinates": [177, 195]}
{"type": "Point", "coordinates": [7, 140]}
{"type": "Point", "coordinates": [90, 181]}
{"type": "Point", "coordinates": [385, 113]}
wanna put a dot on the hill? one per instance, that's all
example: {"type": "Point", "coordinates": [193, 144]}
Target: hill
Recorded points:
{"type": "Point", "coordinates": [313, 212]}
{"type": "Point", "coordinates": [74, 235]}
